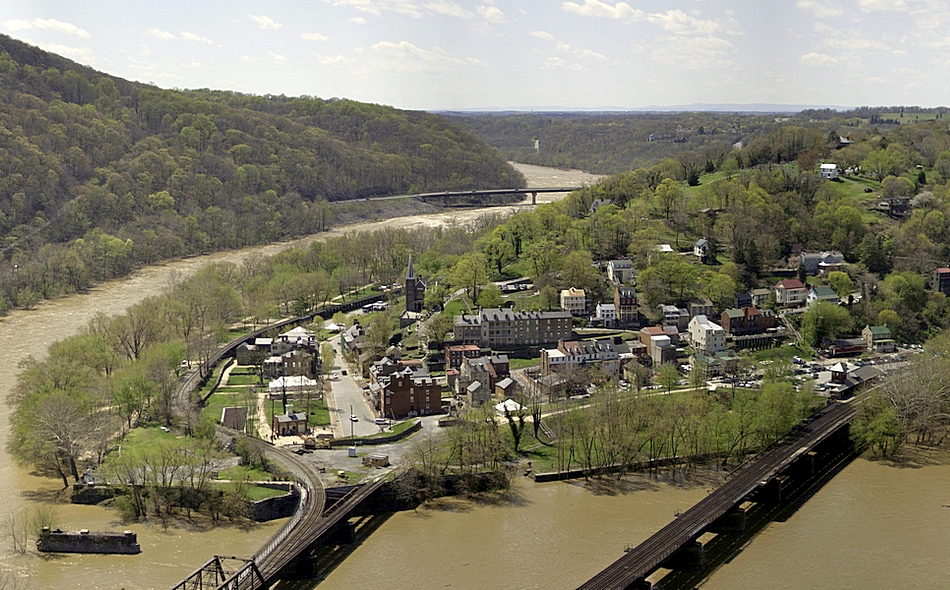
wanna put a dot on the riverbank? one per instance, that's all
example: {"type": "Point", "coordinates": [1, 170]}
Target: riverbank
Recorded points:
{"type": "Point", "coordinates": [167, 555]}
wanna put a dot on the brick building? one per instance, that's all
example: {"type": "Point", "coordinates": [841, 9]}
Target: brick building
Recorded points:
{"type": "Point", "coordinates": [500, 328]}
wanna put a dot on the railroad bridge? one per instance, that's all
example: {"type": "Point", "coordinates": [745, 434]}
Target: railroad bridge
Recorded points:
{"type": "Point", "coordinates": [676, 546]}
{"type": "Point", "coordinates": [321, 520]}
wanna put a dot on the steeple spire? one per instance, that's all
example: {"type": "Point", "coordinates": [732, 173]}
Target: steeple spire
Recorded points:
{"type": "Point", "coordinates": [410, 273]}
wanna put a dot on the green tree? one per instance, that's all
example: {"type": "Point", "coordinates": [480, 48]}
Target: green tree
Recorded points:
{"type": "Point", "coordinates": [841, 283]}
{"type": "Point", "coordinates": [470, 273]}
{"type": "Point", "coordinates": [490, 297]}
{"type": "Point", "coordinates": [668, 193]}
{"type": "Point", "coordinates": [824, 320]}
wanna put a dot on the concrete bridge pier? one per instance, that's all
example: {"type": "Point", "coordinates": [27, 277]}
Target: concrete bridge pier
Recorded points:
{"type": "Point", "coordinates": [534, 198]}
{"type": "Point", "coordinates": [690, 557]}
{"type": "Point", "coordinates": [772, 492]}
{"type": "Point", "coordinates": [729, 522]}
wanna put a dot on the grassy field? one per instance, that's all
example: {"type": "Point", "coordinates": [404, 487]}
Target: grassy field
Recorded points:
{"type": "Point", "coordinates": [243, 380]}
{"type": "Point", "coordinates": [523, 363]}
{"type": "Point", "coordinates": [219, 401]}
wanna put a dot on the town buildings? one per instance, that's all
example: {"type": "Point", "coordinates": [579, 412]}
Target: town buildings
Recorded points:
{"type": "Point", "coordinates": [706, 336]}
{"type": "Point", "coordinates": [790, 293]}
{"type": "Point", "coordinates": [574, 301]}
{"type": "Point", "coordinates": [501, 328]}
{"type": "Point", "coordinates": [620, 272]}
{"type": "Point", "coordinates": [625, 305]}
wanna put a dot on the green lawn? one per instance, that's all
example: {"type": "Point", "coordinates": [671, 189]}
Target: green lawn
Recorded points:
{"type": "Point", "coordinates": [523, 363]}
{"type": "Point", "coordinates": [219, 401]}
{"type": "Point", "coordinates": [145, 437]}
{"type": "Point", "coordinates": [244, 472]}
{"type": "Point", "coordinates": [455, 308]}
{"type": "Point", "coordinates": [243, 379]}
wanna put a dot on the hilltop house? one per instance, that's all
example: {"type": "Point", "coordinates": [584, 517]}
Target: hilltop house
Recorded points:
{"type": "Point", "coordinates": [822, 293]}
{"type": "Point", "coordinates": [574, 301]}
{"type": "Point", "coordinates": [707, 336]}
{"type": "Point", "coordinates": [620, 271]}
{"type": "Point", "coordinates": [790, 293]}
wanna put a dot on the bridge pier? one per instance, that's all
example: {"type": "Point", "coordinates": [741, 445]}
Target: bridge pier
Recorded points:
{"type": "Point", "coordinates": [534, 198]}
{"type": "Point", "coordinates": [691, 556]}
{"type": "Point", "coordinates": [729, 522]}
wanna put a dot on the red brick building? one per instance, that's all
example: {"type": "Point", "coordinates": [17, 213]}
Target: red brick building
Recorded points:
{"type": "Point", "coordinates": [456, 354]}
{"type": "Point", "coordinates": [402, 394]}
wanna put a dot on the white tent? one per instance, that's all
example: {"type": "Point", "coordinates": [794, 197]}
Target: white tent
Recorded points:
{"type": "Point", "coordinates": [509, 404]}
{"type": "Point", "coordinates": [333, 327]}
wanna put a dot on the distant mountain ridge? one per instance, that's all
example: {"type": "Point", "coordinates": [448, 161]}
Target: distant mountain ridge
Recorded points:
{"type": "Point", "coordinates": [700, 107]}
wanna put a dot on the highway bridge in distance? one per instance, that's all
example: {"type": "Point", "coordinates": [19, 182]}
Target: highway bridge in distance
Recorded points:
{"type": "Point", "coordinates": [446, 197]}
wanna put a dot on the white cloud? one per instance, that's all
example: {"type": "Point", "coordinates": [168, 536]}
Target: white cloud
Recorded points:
{"type": "Point", "coordinates": [675, 21]}
{"type": "Point", "coordinates": [821, 8]}
{"type": "Point", "coordinates": [264, 22]}
{"type": "Point", "coordinates": [542, 35]}
{"type": "Point", "coordinates": [599, 9]}
{"type": "Point", "coordinates": [492, 14]}
{"type": "Point", "coordinates": [313, 37]}
{"type": "Point", "coordinates": [449, 9]}
{"type": "Point", "coordinates": [48, 24]}
{"type": "Point", "coordinates": [678, 22]}
{"type": "Point", "coordinates": [188, 36]}
{"type": "Point", "coordinates": [160, 34]}
{"type": "Point", "coordinates": [556, 63]}
{"type": "Point", "coordinates": [562, 46]}
{"type": "Point", "coordinates": [588, 54]}
{"type": "Point", "coordinates": [883, 5]}
{"type": "Point", "coordinates": [406, 57]}
{"type": "Point", "coordinates": [332, 60]}
{"type": "Point", "coordinates": [819, 60]}
{"type": "Point", "coordinates": [377, 7]}
{"type": "Point", "coordinates": [358, 20]}
{"type": "Point", "coordinates": [83, 54]}
{"type": "Point", "coordinates": [874, 80]}
{"type": "Point", "coordinates": [276, 57]}
{"type": "Point", "coordinates": [694, 53]}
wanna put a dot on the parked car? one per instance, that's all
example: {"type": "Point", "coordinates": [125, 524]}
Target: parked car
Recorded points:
{"type": "Point", "coordinates": [354, 418]}
{"type": "Point", "coordinates": [381, 421]}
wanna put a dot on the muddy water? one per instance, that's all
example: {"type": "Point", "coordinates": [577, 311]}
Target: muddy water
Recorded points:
{"type": "Point", "coordinates": [553, 535]}
{"type": "Point", "coordinates": [872, 527]}
{"type": "Point", "coordinates": [167, 556]}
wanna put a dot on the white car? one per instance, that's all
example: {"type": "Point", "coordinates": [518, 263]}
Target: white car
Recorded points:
{"type": "Point", "coordinates": [354, 418]}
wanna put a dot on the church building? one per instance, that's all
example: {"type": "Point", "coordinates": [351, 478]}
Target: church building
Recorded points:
{"type": "Point", "coordinates": [415, 289]}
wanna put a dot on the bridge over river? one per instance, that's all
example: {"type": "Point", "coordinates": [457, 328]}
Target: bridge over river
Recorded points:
{"type": "Point", "coordinates": [675, 545]}
{"type": "Point", "coordinates": [479, 197]}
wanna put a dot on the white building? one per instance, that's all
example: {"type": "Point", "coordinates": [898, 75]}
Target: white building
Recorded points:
{"type": "Point", "coordinates": [829, 171]}
{"type": "Point", "coordinates": [606, 312]}
{"type": "Point", "coordinates": [620, 271]}
{"type": "Point", "coordinates": [574, 301]}
{"type": "Point", "coordinates": [707, 336]}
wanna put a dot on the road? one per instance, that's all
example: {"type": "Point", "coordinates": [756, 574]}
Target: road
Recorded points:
{"type": "Point", "coordinates": [346, 396]}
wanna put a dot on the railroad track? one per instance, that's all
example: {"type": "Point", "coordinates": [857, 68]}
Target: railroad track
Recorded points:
{"type": "Point", "coordinates": [644, 559]}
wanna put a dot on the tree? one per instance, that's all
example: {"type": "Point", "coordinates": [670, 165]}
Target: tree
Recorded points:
{"type": "Point", "coordinates": [549, 297]}
{"type": "Point", "coordinates": [490, 297]}
{"type": "Point", "coordinates": [840, 282]}
{"type": "Point", "coordinates": [824, 320]}
{"type": "Point", "coordinates": [327, 357]}
{"type": "Point", "coordinates": [669, 376]}
{"type": "Point", "coordinates": [667, 194]}
{"type": "Point", "coordinates": [436, 327]}
{"type": "Point", "coordinates": [469, 273]}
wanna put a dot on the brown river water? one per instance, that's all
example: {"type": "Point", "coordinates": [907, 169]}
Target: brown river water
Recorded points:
{"type": "Point", "coordinates": [873, 526]}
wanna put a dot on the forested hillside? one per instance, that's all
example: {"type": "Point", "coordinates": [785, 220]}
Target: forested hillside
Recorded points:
{"type": "Point", "coordinates": [98, 174]}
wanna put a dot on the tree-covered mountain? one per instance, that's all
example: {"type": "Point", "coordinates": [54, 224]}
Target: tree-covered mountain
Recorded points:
{"type": "Point", "coordinates": [98, 174]}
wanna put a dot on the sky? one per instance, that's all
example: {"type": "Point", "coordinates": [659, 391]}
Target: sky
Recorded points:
{"type": "Point", "coordinates": [519, 54]}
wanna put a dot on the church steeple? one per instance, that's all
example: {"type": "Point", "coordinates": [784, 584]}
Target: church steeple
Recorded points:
{"type": "Point", "coordinates": [410, 273]}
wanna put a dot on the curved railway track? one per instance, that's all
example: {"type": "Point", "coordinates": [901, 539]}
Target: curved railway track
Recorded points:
{"type": "Point", "coordinates": [644, 559]}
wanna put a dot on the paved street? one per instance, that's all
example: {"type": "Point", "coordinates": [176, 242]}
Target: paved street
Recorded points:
{"type": "Point", "coordinates": [347, 395]}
